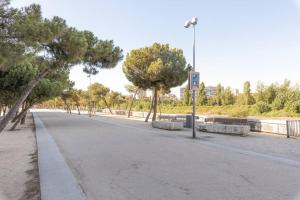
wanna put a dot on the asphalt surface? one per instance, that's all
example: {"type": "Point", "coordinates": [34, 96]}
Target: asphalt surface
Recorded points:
{"type": "Point", "coordinates": [117, 159]}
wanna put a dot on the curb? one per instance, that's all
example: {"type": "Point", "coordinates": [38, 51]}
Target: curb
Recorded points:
{"type": "Point", "coordinates": [56, 179]}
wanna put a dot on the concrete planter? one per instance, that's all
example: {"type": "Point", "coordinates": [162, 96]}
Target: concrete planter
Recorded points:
{"type": "Point", "coordinates": [119, 112]}
{"type": "Point", "coordinates": [167, 125]}
{"type": "Point", "coordinates": [242, 130]}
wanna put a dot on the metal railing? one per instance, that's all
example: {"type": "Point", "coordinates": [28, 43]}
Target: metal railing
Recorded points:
{"type": "Point", "coordinates": [293, 128]}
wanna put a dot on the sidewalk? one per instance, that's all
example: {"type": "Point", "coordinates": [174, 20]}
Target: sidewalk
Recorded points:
{"type": "Point", "coordinates": [56, 179]}
{"type": "Point", "coordinates": [19, 178]}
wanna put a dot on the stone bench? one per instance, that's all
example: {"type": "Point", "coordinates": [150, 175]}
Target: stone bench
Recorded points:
{"type": "Point", "coordinates": [166, 117]}
{"type": "Point", "coordinates": [120, 112]}
{"type": "Point", "coordinates": [172, 118]}
{"type": "Point", "coordinates": [242, 130]}
{"type": "Point", "coordinates": [167, 125]}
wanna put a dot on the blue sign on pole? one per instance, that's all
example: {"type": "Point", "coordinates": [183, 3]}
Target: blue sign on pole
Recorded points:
{"type": "Point", "coordinates": [194, 80]}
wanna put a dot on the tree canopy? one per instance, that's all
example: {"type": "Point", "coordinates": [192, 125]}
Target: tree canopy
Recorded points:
{"type": "Point", "coordinates": [12, 48]}
{"type": "Point", "coordinates": [158, 67]}
{"type": "Point", "coordinates": [100, 54]}
{"type": "Point", "coordinates": [47, 45]}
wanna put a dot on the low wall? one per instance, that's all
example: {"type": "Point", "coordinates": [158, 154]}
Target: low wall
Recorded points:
{"type": "Point", "coordinates": [229, 129]}
{"type": "Point", "coordinates": [227, 120]}
{"type": "Point", "coordinates": [123, 112]}
{"type": "Point", "coordinates": [268, 126]}
{"type": "Point", "coordinates": [167, 125]}
{"type": "Point", "coordinates": [257, 125]}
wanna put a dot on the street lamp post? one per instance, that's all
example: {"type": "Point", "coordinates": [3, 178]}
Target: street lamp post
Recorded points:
{"type": "Point", "coordinates": [188, 24]}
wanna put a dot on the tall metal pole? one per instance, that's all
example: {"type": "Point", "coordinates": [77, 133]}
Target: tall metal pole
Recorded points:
{"type": "Point", "coordinates": [90, 96]}
{"type": "Point", "coordinates": [188, 24]}
{"type": "Point", "coordinates": [194, 103]}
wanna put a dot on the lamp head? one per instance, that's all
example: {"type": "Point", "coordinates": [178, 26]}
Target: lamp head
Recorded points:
{"type": "Point", "coordinates": [194, 20]}
{"type": "Point", "coordinates": [187, 24]}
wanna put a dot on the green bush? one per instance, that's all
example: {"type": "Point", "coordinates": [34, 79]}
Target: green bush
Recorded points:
{"type": "Point", "coordinates": [239, 111]}
{"type": "Point", "coordinates": [293, 106]}
{"type": "Point", "coordinates": [262, 107]}
{"type": "Point", "coordinates": [279, 102]}
{"type": "Point", "coordinates": [141, 107]}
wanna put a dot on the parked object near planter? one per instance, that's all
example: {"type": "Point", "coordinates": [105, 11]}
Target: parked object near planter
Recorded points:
{"type": "Point", "coordinates": [242, 130]}
{"type": "Point", "coordinates": [189, 121]}
{"type": "Point", "coordinates": [167, 125]}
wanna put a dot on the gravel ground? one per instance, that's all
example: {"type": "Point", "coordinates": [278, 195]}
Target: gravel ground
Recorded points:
{"type": "Point", "coordinates": [19, 179]}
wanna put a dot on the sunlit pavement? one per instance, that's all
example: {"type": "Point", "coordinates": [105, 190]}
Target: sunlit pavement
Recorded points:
{"type": "Point", "coordinates": [124, 159]}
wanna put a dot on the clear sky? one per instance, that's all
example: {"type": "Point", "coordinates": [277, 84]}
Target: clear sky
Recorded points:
{"type": "Point", "coordinates": [237, 40]}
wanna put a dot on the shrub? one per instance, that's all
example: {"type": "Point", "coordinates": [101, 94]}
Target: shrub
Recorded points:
{"type": "Point", "coordinates": [262, 107]}
{"type": "Point", "coordinates": [240, 111]}
{"type": "Point", "coordinates": [293, 106]}
{"type": "Point", "coordinates": [279, 101]}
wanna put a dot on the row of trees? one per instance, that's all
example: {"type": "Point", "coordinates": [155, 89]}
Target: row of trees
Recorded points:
{"type": "Point", "coordinates": [36, 55]}
{"type": "Point", "coordinates": [282, 99]}
{"type": "Point", "coordinates": [222, 96]}
{"type": "Point", "coordinates": [97, 96]}
{"type": "Point", "coordinates": [265, 98]}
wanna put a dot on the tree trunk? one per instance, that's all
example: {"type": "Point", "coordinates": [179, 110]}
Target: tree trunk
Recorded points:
{"type": "Point", "coordinates": [22, 98]}
{"type": "Point", "coordinates": [67, 107]}
{"type": "Point", "coordinates": [107, 105]}
{"type": "Point", "coordinates": [93, 108]}
{"type": "Point", "coordinates": [154, 105]}
{"type": "Point", "coordinates": [78, 108]}
{"type": "Point", "coordinates": [15, 124]}
{"type": "Point", "coordinates": [17, 112]}
{"type": "Point", "coordinates": [149, 113]}
{"type": "Point", "coordinates": [90, 109]}
{"type": "Point", "coordinates": [21, 113]}
{"type": "Point", "coordinates": [21, 119]}
{"type": "Point", "coordinates": [24, 118]}
{"type": "Point", "coordinates": [159, 105]}
{"type": "Point", "coordinates": [4, 112]}
{"type": "Point", "coordinates": [131, 104]}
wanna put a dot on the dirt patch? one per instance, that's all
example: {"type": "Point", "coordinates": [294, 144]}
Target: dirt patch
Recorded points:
{"type": "Point", "coordinates": [33, 184]}
{"type": "Point", "coordinates": [19, 177]}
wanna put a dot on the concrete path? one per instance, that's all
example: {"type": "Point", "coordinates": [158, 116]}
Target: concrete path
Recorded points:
{"type": "Point", "coordinates": [56, 179]}
{"type": "Point", "coordinates": [115, 159]}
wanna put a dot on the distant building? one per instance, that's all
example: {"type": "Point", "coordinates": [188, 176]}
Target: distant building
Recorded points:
{"type": "Point", "coordinates": [182, 93]}
{"type": "Point", "coordinates": [210, 91]}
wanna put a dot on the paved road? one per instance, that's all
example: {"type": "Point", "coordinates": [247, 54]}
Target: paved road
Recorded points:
{"type": "Point", "coordinates": [117, 159]}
